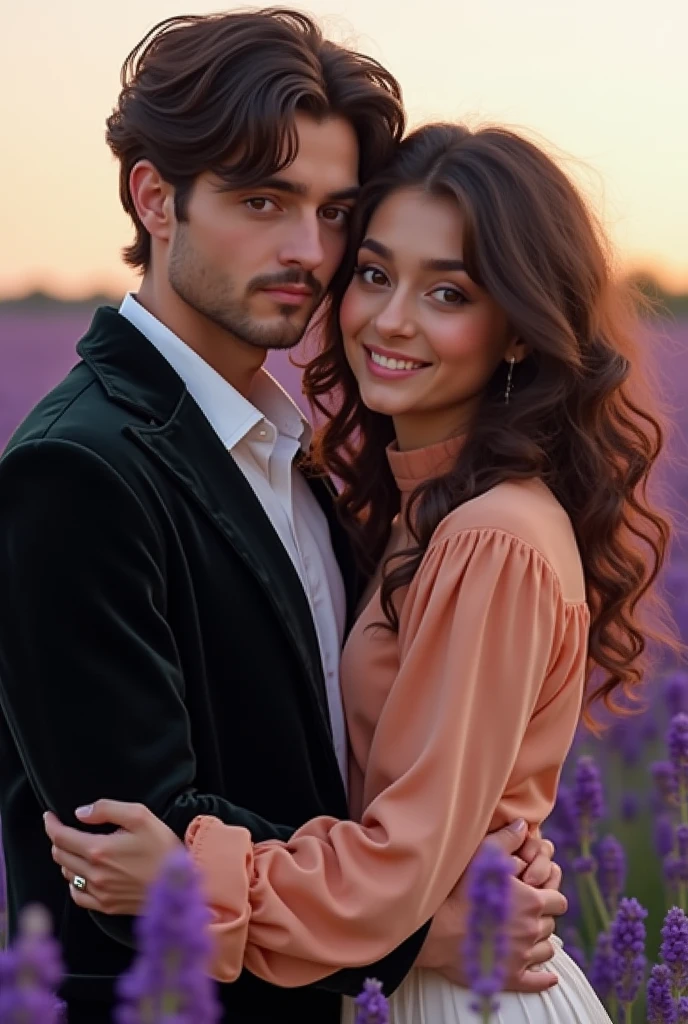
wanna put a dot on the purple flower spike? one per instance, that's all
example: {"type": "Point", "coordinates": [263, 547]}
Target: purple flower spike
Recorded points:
{"type": "Point", "coordinates": [572, 945]}
{"type": "Point", "coordinates": [665, 782]}
{"type": "Point", "coordinates": [372, 1007]}
{"type": "Point", "coordinates": [676, 862]}
{"type": "Point", "coordinates": [628, 942]}
{"type": "Point", "coordinates": [30, 972]}
{"type": "Point", "coordinates": [677, 742]}
{"type": "Point", "coordinates": [682, 1014]}
{"type": "Point", "coordinates": [630, 807]}
{"type": "Point", "coordinates": [676, 694]}
{"type": "Point", "coordinates": [584, 865]}
{"type": "Point", "coordinates": [612, 870]}
{"type": "Point", "coordinates": [661, 1008]}
{"type": "Point", "coordinates": [486, 941]}
{"type": "Point", "coordinates": [602, 973]}
{"type": "Point", "coordinates": [168, 980]}
{"type": "Point", "coordinates": [674, 948]}
{"type": "Point", "coordinates": [588, 799]}
{"type": "Point", "coordinates": [664, 835]}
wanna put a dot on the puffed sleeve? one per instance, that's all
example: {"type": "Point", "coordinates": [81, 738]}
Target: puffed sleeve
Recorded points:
{"type": "Point", "coordinates": [482, 622]}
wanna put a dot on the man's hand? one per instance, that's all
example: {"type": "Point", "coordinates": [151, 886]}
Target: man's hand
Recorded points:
{"type": "Point", "coordinates": [535, 904]}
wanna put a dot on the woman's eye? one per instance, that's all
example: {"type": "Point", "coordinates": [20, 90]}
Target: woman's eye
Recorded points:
{"type": "Point", "coordinates": [259, 203]}
{"type": "Point", "coordinates": [336, 215]}
{"type": "Point", "coordinates": [371, 275]}
{"type": "Point", "coordinates": [449, 296]}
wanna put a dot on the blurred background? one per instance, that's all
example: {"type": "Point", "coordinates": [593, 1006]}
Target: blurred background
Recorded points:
{"type": "Point", "coordinates": [604, 83]}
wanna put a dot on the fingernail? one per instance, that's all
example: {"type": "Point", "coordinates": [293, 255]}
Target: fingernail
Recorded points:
{"type": "Point", "coordinates": [517, 825]}
{"type": "Point", "coordinates": [84, 812]}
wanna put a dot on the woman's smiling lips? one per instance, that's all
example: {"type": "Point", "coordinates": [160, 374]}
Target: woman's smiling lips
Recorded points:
{"type": "Point", "coordinates": [381, 362]}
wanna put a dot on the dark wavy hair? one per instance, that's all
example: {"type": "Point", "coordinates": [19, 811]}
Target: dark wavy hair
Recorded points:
{"type": "Point", "coordinates": [219, 93]}
{"type": "Point", "coordinates": [580, 417]}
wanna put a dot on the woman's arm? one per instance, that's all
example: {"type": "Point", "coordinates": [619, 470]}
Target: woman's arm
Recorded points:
{"type": "Point", "coordinates": [482, 624]}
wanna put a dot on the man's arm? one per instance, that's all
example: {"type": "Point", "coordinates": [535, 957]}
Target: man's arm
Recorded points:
{"type": "Point", "coordinates": [90, 681]}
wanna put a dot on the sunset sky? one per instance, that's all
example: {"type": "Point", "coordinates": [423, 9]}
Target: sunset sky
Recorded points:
{"type": "Point", "coordinates": [605, 82]}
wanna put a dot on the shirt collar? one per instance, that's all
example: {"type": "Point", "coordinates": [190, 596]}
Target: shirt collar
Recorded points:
{"type": "Point", "coordinates": [230, 414]}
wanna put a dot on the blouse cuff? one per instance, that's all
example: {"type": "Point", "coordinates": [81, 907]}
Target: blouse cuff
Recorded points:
{"type": "Point", "coordinates": [224, 858]}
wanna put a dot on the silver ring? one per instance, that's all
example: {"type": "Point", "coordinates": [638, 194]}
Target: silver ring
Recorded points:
{"type": "Point", "coordinates": [79, 882]}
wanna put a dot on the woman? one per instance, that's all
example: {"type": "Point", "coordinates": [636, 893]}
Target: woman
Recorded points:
{"type": "Point", "coordinates": [493, 460]}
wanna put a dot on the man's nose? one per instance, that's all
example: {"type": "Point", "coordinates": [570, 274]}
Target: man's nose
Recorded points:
{"type": "Point", "coordinates": [303, 247]}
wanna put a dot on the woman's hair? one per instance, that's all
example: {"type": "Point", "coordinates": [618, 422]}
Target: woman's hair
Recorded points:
{"type": "Point", "coordinates": [220, 92]}
{"type": "Point", "coordinates": [579, 416]}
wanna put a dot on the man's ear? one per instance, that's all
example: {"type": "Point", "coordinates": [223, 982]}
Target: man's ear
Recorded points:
{"type": "Point", "coordinates": [153, 199]}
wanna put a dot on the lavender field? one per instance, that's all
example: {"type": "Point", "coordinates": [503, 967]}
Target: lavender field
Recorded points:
{"type": "Point", "coordinates": [621, 824]}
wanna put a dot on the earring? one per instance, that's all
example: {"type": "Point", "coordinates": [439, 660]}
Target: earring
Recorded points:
{"type": "Point", "coordinates": [509, 380]}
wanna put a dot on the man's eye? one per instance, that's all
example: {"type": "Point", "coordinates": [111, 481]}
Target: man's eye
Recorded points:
{"type": "Point", "coordinates": [335, 215]}
{"type": "Point", "coordinates": [259, 203]}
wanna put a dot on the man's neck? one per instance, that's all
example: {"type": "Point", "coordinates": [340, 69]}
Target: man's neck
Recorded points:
{"type": "Point", "coordinates": [234, 360]}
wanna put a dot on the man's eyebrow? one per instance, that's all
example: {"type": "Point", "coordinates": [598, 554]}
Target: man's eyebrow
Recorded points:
{"type": "Point", "coordinates": [297, 188]}
{"type": "Point", "coordinates": [387, 254]}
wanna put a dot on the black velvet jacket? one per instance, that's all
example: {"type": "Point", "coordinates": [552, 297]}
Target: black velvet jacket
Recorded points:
{"type": "Point", "coordinates": [156, 645]}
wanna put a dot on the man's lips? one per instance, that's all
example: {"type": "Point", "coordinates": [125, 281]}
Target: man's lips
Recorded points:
{"type": "Point", "coordinates": [289, 294]}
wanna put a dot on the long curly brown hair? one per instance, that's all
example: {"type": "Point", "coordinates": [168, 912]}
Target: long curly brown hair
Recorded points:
{"type": "Point", "coordinates": [581, 415]}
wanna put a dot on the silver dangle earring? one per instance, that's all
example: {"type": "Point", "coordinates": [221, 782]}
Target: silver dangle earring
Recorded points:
{"type": "Point", "coordinates": [509, 380]}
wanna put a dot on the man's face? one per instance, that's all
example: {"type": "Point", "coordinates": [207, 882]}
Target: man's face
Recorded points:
{"type": "Point", "coordinates": [257, 261]}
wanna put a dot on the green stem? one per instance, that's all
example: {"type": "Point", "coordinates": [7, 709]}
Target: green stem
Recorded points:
{"type": "Point", "coordinates": [598, 901]}
{"type": "Point", "coordinates": [628, 1013]}
{"type": "Point", "coordinates": [486, 1014]}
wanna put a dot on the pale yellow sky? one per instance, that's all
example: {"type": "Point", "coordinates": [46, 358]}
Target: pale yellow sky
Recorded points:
{"type": "Point", "coordinates": [604, 81]}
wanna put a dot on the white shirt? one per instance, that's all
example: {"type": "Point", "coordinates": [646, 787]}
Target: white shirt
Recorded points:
{"type": "Point", "coordinates": [263, 435]}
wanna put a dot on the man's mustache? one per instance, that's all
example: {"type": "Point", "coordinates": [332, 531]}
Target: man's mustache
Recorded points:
{"type": "Point", "coordinates": [304, 277]}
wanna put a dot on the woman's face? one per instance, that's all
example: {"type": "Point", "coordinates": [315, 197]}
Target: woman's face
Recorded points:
{"type": "Point", "coordinates": [422, 339]}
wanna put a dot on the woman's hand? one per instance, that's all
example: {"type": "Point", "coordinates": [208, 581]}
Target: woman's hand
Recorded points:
{"type": "Point", "coordinates": [117, 868]}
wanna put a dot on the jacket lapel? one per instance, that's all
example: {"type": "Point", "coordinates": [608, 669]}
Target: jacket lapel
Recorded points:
{"type": "Point", "coordinates": [180, 439]}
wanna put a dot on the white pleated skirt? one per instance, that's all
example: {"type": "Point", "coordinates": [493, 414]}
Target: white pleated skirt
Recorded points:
{"type": "Point", "coordinates": [426, 998]}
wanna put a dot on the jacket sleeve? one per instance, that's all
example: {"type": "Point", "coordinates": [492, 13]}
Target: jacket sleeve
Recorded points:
{"type": "Point", "coordinates": [90, 681]}
{"type": "Point", "coordinates": [479, 629]}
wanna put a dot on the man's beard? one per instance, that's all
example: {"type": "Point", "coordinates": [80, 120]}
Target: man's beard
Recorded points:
{"type": "Point", "coordinates": [216, 299]}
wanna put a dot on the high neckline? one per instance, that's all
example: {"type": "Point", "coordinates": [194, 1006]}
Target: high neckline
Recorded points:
{"type": "Point", "coordinates": [414, 467]}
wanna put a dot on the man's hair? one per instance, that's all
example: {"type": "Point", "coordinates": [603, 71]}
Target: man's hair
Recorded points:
{"type": "Point", "coordinates": [220, 93]}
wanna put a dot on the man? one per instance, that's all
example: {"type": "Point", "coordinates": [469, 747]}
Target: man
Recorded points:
{"type": "Point", "coordinates": [175, 592]}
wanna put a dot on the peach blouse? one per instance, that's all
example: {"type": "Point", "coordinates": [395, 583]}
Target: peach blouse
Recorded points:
{"type": "Point", "coordinates": [458, 724]}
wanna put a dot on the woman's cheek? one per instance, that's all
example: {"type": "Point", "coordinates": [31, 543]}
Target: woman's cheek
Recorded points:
{"type": "Point", "coordinates": [351, 311]}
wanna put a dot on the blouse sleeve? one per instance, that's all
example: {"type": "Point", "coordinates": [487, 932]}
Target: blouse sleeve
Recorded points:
{"type": "Point", "coordinates": [479, 629]}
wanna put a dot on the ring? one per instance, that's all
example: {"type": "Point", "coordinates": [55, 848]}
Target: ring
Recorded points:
{"type": "Point", "coordinates": [79, 882]}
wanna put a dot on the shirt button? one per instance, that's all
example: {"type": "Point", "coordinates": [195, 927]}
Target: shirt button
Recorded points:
{"type": "Point", "coordinates": [262, 433]}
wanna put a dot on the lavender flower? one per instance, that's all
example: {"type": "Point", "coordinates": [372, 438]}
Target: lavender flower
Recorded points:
{"type": "Point", "coordinates": [564, 820]}
{"type": "Point", "coordinates": [665, 782]}
{"type": "Point", "coordinates": [630, 807]}
{"type": "Point", "coordinates": [588, 801]}
{"type": "Point", "coordinates": [676, 694]}
{"type": "Point", "coordinates": [612, 870]}
{"type": "Point", "coordinates": [664, 835]}
{"type": "Point", "coordinates": [661, 1008]}
{"type": "Point", "coordinates": [602, 973]}
{"type": "Point", "coordinates": [628, 942]}
{"type": "Point", "coordinates": [168, 980]}
{"type": "Point", "coordinates": [372, 1005]}
{"type": "Point", "coordinates": [674, 948]}
{"type": "Point", "coordinates": [677, 742]}
{"type": "Point", "coordinates": [573, 947]}
{"type": "Point", "coordinates": [486, 942]}
{"type": "Point", "coordinates": [30, 972]}
{"type": "Point", "coordinates": [682, 1008]}
{"type": "Point", "coordinates": [676, 862]}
